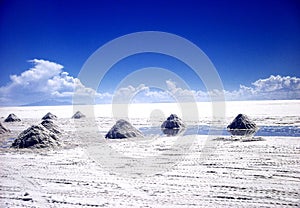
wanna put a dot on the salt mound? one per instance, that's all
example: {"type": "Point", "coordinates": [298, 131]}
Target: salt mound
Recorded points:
{"type": "Point", "coordinates": [78, 115]}
{"type": "Point", "coordinates": [12, 118]}
{"type": "Point", "coordinates": [242, 122]}
{"type": "Point", "coordinates": [37, 136]}
{"type": "Point", "coordinates": [48, 124]}
{"type": "Point", "coordinates": [123, 129]}
{"type": "Point", "coordinates": [173, 122]}
{"type": "Point", "coordinates": [49, 116]}
{"type": "Point", "coordinates": [3, 129]}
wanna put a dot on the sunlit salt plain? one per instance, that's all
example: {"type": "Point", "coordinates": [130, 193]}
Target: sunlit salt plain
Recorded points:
{"type": "Point", "coordinates": [190, 170]}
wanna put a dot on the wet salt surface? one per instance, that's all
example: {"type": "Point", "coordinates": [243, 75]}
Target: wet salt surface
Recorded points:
{"type": "Point", "coordinates": [278, 131]}
{"type": "Point", "coordinates": [288, 131]}
{"type": "Point", "coordinates": [7, 143]}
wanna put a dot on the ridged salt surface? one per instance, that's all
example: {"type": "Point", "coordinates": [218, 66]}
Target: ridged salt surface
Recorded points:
{"type": "Point", "coordinates": [156, 171]}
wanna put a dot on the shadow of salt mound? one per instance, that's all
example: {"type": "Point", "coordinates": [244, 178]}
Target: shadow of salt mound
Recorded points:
{"type": "Point", "coordinates": [226, 139]}
{"type": "Point", "coordinates": [242, 132]}
{"type": "Point", "coordinates": [244, 135]}
{"type": "Point", "coordinates": [172, 132]}
{"type": "Point", "coordinates": [252, 139]}
{"type": "Point", "coordinates": [239, 139]}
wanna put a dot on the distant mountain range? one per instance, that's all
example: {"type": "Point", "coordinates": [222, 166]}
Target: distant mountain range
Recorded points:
{"type": "Point", "coordinates": [48, 103]}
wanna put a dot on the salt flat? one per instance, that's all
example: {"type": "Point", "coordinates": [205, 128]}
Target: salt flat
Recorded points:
{"type": "Point", "coordinates": [155, 171]}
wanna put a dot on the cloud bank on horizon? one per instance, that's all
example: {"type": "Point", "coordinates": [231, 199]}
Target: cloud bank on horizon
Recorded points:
{"type": "Point", "coordinates": [47, 80]}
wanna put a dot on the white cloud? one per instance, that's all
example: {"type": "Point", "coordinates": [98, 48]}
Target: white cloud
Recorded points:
{"type": "Point", "coordinates": [34, 79]}
{"type": "Point", "coordinates": [274, 87]}
{"type": "Point", "coordinates": [45, 80]}
{"type": "Point", "coordinates": [41, 71]}
{"type": "Point", "coordinates": [126, 94]}
{"type": "Point", "coordinates": [143, 93]}
{"type": "Point", "coordinates": [178, 93]}
{"type": "Point", "coordinates": [274, 83]}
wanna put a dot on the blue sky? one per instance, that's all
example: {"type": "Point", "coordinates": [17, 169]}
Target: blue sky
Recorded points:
{"type": "Point", "coordinates": [247, 41]}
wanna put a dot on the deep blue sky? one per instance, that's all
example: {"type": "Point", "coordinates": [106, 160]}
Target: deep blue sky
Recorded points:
{"type": "Point", "coordinates": [246, 40]}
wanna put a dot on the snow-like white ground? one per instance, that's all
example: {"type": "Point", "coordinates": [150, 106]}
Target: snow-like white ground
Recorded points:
{"type": "Point", "coordinates": [155, 171]}
{"type": "Point", "coordinates": [277, 112]}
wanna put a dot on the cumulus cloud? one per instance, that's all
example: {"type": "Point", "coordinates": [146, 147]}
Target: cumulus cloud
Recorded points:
{"type": "Point", "coordinates": [127, 94]}
{"type": "Point", "coordinates": [274, 83]}
{"type": "Point", "coordinates": [143, 93]}
{"type": "Point", "coordinates": [180, 94]}
{"type": "Point", "coordinates": [273, 87]}
{"type": "Point", "coordinates": [33, 79]}
{"type": "Point", "coordinates": [45, 80]}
